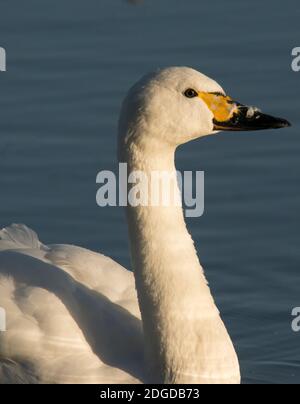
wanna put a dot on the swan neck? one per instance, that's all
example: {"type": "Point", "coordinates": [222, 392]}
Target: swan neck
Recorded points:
{"type": "Point", "coordinates": [178, 312]}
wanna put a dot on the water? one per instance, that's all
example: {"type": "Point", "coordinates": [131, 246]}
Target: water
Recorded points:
{"type": "Point", "coordinates": [69, 66]}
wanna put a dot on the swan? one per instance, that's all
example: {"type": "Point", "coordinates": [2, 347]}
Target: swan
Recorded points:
{"type": "Point", "coordinates": [76, 316]}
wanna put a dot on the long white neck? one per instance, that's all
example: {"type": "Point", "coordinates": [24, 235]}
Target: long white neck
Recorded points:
{"type": "Point", "coordinates": [185, 338]}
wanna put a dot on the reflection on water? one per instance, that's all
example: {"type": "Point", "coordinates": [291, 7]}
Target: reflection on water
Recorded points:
{"type": "Point", "coordinates": [59, 103]}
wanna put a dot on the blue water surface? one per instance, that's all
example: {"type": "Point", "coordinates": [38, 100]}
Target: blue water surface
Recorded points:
{"type": "Point", "coordinates": [69, 64]}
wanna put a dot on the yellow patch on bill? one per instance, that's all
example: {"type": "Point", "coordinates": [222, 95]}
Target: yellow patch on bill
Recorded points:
{"type": "Point", "coordinates": [220, 105]}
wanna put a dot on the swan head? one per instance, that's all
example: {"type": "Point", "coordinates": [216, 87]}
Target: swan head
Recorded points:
{"type": "Point", "coordinates": [179, 104]}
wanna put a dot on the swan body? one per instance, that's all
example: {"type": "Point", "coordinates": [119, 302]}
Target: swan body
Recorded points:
{"type": "Point", "coordinates": [73, 316]}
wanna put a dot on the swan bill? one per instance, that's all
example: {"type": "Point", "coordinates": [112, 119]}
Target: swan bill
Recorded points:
{"type": "Point", "coordinates": [230, 115]}
{"type": "Point", "coordinates": [250, 119]}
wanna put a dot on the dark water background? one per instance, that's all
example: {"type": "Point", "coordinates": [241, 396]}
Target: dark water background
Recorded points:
{"type": "Point", "coordinates": [69, 65]}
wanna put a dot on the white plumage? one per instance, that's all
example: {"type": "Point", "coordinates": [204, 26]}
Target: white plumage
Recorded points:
{"type": "Point", "coordinates": [73, 315]}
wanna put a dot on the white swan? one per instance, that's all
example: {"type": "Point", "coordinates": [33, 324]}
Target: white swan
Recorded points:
{"type": "Point", "coordinates": [73, 315]}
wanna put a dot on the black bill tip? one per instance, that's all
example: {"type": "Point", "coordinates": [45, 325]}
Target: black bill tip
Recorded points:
{"type": "Point", "coordinates": [263, 121]}
{"type": "Point", "coordinates": [249, 119]}
{"type": "Point", "coordinates": [282, 123]}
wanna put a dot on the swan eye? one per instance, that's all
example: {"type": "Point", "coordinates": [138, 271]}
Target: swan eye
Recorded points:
{"type": "Point", "coordinates": [190, 93]}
